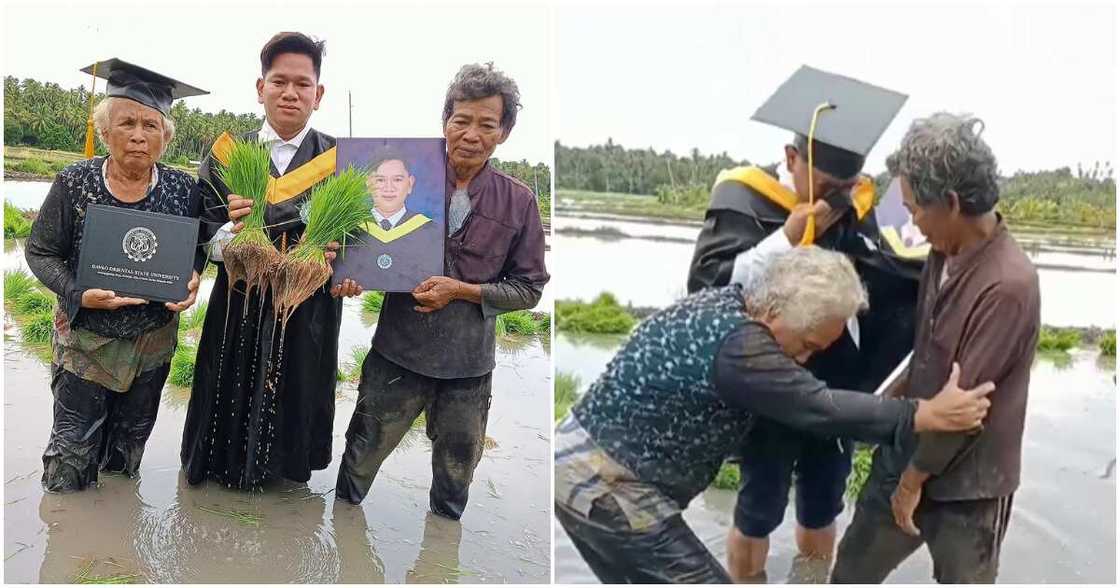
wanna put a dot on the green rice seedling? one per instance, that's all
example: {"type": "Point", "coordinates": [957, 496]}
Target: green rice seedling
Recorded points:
{"type": "Point", "coordinates": [16, 225]}
{"type": "Point", "coordinates": [338, 207]}
{"type": "Point", "coordinates": [38, 328]}
{"type": "Point", "coordinates": [373, 301]}
{"type": "Point", "coordinates": [17, 283]}
{"type": "Point", "coordinates": [245, 518]}
{"type": "Point", "coordinates": [565, 393]}
{"type": "Point", "coordinates": [192, 319]}
{"type": "Point", "coordinates": [250, 256]}
{"type": "Point", "coordinates": [34, 301]}
{"type": "Point", "coordinates": [182, 365]}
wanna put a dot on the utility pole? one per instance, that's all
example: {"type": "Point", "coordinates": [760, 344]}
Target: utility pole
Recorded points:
{"type": "Point", "coordinates": [350, 102]}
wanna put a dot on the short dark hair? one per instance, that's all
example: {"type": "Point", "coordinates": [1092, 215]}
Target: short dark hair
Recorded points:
{"type": "Point", "coordinates": [475, 82]}
{"type": "Point", "coordinates": [389, 154]}
{"type": "Point", "coordinates": [290, 42]}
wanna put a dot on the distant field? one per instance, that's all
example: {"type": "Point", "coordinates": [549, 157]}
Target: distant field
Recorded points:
{"type": "Point", "coordinates": [32, 163]}
{"type": "Point", "coordinates": [576, 202]}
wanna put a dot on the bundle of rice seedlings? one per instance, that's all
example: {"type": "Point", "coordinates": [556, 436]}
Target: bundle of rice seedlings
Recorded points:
{"type": "Point", "coordinates": [250, 256]}
{"type": "Point", "coordinates": [336, 209]}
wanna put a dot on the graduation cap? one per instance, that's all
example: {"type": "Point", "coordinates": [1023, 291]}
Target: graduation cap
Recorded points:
{"type": "Point", "coordinates": [842, 117]}
{"type": "Point", "coordinates": [141, 84]}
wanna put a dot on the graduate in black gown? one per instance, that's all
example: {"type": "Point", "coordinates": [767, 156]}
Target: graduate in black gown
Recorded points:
{"type": "Point", "coordinates": [755, 212]}
{"type": "Point", "coordinates": [262, 403]}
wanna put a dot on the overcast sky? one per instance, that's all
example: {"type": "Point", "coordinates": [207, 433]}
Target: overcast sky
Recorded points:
{"type": "Point", "coordinates": [397, 61]}
{"type": "Point", "coordinates": [1042, 78]}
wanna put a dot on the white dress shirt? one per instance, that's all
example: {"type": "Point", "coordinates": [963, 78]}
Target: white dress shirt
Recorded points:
{"type": "Point", "coordinates": [282, 154]}
{"type": "Point", "coordinates": [393, 219]}
{"type": "Point", "coordinates": [750, 263]}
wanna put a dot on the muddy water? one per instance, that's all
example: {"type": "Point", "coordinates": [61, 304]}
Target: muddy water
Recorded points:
{"type": "Point", "coordinates": [649, 267]}
{"type": "Point", "coordinates": [1063, 524]}
{"type": "Point", "coordinates": [162, 530]}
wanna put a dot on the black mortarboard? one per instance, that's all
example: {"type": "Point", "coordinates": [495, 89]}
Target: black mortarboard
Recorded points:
{"type": "Point", "coordinates": [142, 85]}
{"type": "Point", "coordinates": [844, 134]}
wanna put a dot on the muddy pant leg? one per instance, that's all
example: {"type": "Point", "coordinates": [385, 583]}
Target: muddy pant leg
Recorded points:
{"type": "Point", "coordinates": [389, 400]}
{"type": "Point", "coordinates": [873, 545]}
{"type": "Point", "coordinates": [457, 428]}
{"type": "Point", "coordinates": [71, 458]}
{"type": "Point", "coordinates": [580, 530]}
{"type": "Point", "coordinates": [667, 552]}
{"type": "Point", "coordinates": [132, 416]}
{"type": "Point", "coordinates": [964, 538]}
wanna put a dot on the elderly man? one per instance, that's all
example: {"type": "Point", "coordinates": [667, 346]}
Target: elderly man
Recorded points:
{"type": "Point", "coordinates": [756, 212]}
{"type": "Point", "coordinates": [433, 350]}
{"type": "Point", "coordinates": [978, 306]}
{"type": "Point", "coordinates": [651, 433]}
{"type": "Point", "coordinates": [111, 354]}
{"type": "Point", "coordinates": [237, 432]}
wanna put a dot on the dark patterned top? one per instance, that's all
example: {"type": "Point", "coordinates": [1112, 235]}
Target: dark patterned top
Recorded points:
{"type": "Point", "coordinates": [56, 240]}
{"type": "Point", "coordinates": [680, 396]}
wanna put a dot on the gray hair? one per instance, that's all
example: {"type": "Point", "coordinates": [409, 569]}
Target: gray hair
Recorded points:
{"type": "Point", "coordinates": [475, 82]}
{"type": "Point", "coordinates": [103, 113]}
{"type": "Point", "coordinates": [806, 286]}
{"type": "Point", "coordinates": [945, 153]}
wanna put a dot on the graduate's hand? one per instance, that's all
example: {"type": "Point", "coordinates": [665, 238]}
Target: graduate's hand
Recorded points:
{"type": "Point", "coordinates": [954, 409]}
{"type": "Point", "coordinates": [346, 289]}
{"type": "Point", "coordinates": [192, 293]}
{"type": "Point", "coordinates": [238, 208]}
{"type": "Point", "coordinates": [435, 293]}
{"type": "Point", "coordinates": [99, 299]}
{"type": "Point", "coordinates": [904, 501]}
{"type": "Point", "coordinates": [798, 218]}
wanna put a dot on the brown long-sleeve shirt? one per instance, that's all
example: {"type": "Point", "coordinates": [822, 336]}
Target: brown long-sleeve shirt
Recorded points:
{"type": "Point", "coordinates": [979, 308]}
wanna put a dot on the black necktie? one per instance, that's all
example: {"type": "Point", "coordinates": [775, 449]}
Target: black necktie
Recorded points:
{"type": "Point", "coordinates": [385, 224]}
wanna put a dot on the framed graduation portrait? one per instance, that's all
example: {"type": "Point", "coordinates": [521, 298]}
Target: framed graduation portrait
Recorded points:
{"type": "Point", "coordinates": [403, 244]}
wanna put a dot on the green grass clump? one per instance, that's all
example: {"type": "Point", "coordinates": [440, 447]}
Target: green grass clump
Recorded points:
{"type": "Point", "coordinates": [1107, 344]}
{"type": "Point", "coordinates": [33, 166]}
{"type": "Point", "coordinates": [861, 469]}
{"type": "Point", "coordinates": [353, 370]}
{"type": "Point", "coordinates": [16, 224]}
{"type": "Point", "coordinates": [192, 319]}
{"type": "Point", "coordinates": [34, 301]}
{"type": "Point", "coordinates": [372, 301]}
{"type": "Point", "coordinates": [727, 478]}
{"type": "Point", "coordinates": [182, 365]}
{"type": "Point", "coordinates": [86, 576]}
{"type": "Point", "coordinates": [603, 315]}
{"type": "Point", "coordinates": [565, 394]}
{"type": "Point", "coordinates": [17, 283]}
{"type": "Point", "coordinates": [245, 518]}
{"type": "Point", "coordinates": [1058, 339]}
{"type": "Point", "coordinates": [37, 328]}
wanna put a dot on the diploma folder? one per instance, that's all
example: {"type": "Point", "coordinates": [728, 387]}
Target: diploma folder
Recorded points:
{"type": "Point", "coordinates": [137, 254]}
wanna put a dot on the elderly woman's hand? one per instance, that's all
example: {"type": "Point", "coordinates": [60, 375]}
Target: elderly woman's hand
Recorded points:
{"type": "Point", "coordinates": [238, 208]}
{"type": "Point", "coordinates": [192, 291]}
{"type": "Point", "coordinates": [98, 299]}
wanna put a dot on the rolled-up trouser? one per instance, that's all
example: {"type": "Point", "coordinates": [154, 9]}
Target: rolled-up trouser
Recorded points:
{"type": "Point", "coordinates": [98, 429]}
{"type": "Point", "coordinates": [667, 552]}
{"type": "Point", "coordinates": [390, 398]}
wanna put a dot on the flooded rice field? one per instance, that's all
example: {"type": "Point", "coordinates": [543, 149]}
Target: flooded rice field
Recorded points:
{"type": "Point", "coordinates": [156, 528]}
{"type": "Point", "coordinates": [1063, 525]}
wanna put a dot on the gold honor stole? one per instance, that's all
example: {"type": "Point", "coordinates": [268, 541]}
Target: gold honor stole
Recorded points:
{"type": "Point", "coordinates": [291, 184]}
{"type": "Point", "coordinates": [398, 231]}
{"type": "Point", "coordinates": [863, 193]}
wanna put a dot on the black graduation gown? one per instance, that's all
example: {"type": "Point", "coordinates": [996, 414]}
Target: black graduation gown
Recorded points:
{"type": "Point", "coordinates": [260, 409]}
{"type": "Point", "coordinates": [739, 217]}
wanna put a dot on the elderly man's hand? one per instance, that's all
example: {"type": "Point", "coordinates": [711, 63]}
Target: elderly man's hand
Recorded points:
{"type": "Point", "coordinates": [98, 299]}
{"type": "Point", "coordinates": [346, 289]}
{"type": "Point", "coordinates": [238, 208]}
{"type": "Point", "coordinates": [436, 292]}
{"type": "Point", "coordinates": [192, 294]}
{"type": "Point", "coordinates": [904, 501]}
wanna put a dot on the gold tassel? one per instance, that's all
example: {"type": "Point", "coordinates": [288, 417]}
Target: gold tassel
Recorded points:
{"type": "Point", "coordinates": [89, 121]}
{"type": "Point", "coordinates": [810, 234]}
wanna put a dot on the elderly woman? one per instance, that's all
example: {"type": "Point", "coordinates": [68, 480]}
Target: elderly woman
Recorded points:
{"type": "Point", "coordinates": [110, 354]}
{"type": "Point", "coordinates": [651, 433]}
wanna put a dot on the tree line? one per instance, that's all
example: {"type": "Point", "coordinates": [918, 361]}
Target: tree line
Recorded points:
{"type": "Point", "coordinates": [1085, 196]}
